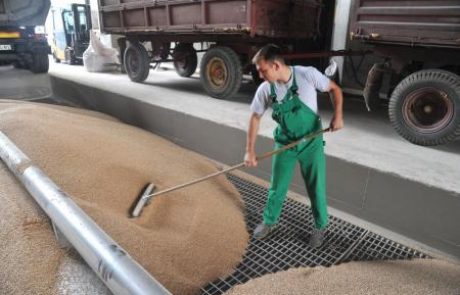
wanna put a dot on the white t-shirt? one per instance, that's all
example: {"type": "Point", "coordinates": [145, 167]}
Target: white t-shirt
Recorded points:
{"type": "Point", "coordinates": [308, 80]}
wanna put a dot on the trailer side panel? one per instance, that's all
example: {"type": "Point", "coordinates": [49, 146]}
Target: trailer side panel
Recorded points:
{"type": "Point", "coordinates": [263, 18]}
{"type": "Point", "coordinates": [414, 22]}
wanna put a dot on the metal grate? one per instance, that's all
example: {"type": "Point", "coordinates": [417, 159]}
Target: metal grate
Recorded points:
{"type": "Point", "coordinates": [288, 247]}
{"type": "Point", "coordinates": [376, 247]}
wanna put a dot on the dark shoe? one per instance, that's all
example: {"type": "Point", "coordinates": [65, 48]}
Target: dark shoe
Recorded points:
{"type": "Point", "coordinates": [262, 231]}
{"type": "Point", "coordinates": [317, 238]}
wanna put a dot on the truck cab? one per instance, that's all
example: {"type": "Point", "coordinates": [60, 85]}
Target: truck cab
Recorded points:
{"type": "Point", "coordinates": [70, 36]}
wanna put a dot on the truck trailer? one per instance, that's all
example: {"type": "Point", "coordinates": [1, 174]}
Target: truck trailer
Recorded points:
{"type": "Point", "coordinates": [22, 43]}
{"type": "Point", "coordinates": [230, 32]}
{"type": "Point", "coordinates": [419, 46]}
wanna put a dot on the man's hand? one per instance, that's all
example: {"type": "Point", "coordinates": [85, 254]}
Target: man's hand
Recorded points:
{"type": "Point", "coordinates": [336, 123]}
{"type": "Point", "coordinates": [250, 159]}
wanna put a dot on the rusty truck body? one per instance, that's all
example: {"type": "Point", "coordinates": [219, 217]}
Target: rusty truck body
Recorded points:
{"type": "Point", "coordinates": [419, 43]}
{"type": "Point", "coordinates": [171, 30]}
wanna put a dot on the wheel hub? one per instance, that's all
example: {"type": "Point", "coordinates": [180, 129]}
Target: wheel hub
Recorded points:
{"type": "Point", "coordinates": [217, 72]}
{"type": "Point", "coordinates": [428, 110]}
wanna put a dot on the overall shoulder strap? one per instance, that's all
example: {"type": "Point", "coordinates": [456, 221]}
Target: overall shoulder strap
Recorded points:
{"type": "Point", "coordinates": [273, 92]}
{"type": "Point", "coordinates": [294, 86]}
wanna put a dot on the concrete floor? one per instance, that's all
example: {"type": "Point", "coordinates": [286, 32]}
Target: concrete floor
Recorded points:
{"type": "Point", "coordinates": [376, 175]}
{"type": "Point", "coordinates": [23, 85]}
{"type": "Point", "coordinates": [368, 138]}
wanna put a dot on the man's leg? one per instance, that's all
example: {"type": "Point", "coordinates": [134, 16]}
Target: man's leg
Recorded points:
{"type": "Point", "coordinates": [282, 170]}
{"type": "Point", "coordinates": [313, 168]}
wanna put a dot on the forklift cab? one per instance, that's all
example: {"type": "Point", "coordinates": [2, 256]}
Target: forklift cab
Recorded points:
{"type": "Point", "coordinates": [71, 26]}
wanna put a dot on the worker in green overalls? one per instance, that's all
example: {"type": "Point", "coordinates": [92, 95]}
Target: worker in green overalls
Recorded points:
{"type": "Point", "coordinates": [292, 93]}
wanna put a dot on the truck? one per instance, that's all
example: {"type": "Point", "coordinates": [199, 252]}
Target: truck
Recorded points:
{"type": "Point", "coordinates": [22, 39]}
{"type": "Point", "coordinates": [71, 25]}
{"type": "Point", "coordinates": [228, 32]}
{"type": "Point", "coordinates": [418, 46]}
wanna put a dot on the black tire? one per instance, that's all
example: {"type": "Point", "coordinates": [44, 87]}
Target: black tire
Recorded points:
{"type": "Point", "coordinates": [185, 59]}
{"type": "Point", "coordinates": [70, 58]}
{"type": "Point", "coordinates": [40, 63]}
{"type": "Point", "coordinates": [137, 62]}
{"type": "Point", "coordinates": [256, 76]}
{"type": "Point", "coordinates": [221, 72]}
{"type": "Point", "coordinates": [373, 84]}
{"type": "Point", "coordinates": [425, 107]}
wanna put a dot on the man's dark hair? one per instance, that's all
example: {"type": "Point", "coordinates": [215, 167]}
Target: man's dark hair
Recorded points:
{"type": "Point", "coordinates": [269, 53]}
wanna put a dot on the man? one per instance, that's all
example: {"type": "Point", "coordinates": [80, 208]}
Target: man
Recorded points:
{"type": "Point", "coordinates": [291, 91]}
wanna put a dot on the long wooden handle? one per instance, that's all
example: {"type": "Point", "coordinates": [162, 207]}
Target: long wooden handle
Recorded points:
{"type": "Point", "coordinates": [293, 144]}
{"type": "Point", "coordinates": [261, 157]}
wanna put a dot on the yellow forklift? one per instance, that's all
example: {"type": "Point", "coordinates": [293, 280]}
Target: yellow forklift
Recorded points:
{"type": "Point", "coordinates": [71, 27]}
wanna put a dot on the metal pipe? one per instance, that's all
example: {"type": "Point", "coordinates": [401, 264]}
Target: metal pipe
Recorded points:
{"type": "Point", "coordinates": [119, 272]}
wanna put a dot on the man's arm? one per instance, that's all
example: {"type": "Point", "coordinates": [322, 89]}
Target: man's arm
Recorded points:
{"type": "Point", "coordinates": [250, 156]}
{"type": "Point", "coordinates": [337, 95]}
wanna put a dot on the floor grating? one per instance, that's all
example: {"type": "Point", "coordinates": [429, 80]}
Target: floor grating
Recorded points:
{"type": "Point", "coordinates": [288, 247]}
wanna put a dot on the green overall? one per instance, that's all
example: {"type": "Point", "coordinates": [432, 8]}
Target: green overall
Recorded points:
{"type": "Point", "coordinates": [295, 120]}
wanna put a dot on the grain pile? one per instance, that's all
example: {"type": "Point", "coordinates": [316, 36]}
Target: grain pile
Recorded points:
{"type": "Point", "coordinates": [422, 276]}
{"type": "Point", "coordinates": [185, 238]}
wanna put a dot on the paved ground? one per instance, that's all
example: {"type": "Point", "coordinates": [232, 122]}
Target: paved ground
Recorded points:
{"type": "Point", "coordinates": [368, 138]}
{"type": "Point", "coordinates": [23, 85]}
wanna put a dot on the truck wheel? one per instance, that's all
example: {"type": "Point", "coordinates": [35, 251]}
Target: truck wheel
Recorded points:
{"type": "Point", "coordinates": [256, 76]}
{"type": "Point", "coordinates": [40, 63]}
{"type": "Point", "coordinates": [137, 62]}
{"type": "Point", "coordinates": [425, 107]}
{"type": "Point", "coordinates": [221, 72]}
{"type": "Point", "coordinates": [69, 55]}
{"type": "Point", "coordinates": [185, 59]}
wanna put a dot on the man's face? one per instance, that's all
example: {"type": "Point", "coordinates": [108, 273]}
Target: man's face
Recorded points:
{"type": "Point", "coordinates": [268, 70]}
